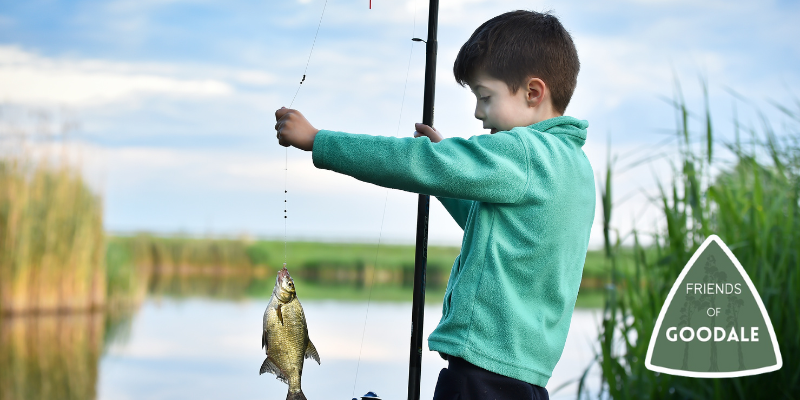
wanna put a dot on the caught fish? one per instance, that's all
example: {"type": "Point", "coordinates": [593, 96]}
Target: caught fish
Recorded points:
{"type": "Point", "coordinates": [285, 336]}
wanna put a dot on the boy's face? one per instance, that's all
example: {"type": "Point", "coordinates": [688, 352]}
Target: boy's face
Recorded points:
{"type": "Point", "coordinates": [498, 108]}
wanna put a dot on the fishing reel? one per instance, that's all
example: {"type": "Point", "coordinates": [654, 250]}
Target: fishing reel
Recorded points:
{"type": "Point", "coordinates": [369, 396]}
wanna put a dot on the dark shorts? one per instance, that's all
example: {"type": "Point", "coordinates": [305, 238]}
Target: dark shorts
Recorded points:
{"type": "Point", "coordinates": [464, 381]}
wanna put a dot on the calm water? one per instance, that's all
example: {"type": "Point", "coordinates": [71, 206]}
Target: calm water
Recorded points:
{"type": "Point", "coordinates": [211, 349]}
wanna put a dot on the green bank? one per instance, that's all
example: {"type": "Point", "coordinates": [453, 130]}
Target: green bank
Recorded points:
{"type": "Point", "coordinates": [344, 271]}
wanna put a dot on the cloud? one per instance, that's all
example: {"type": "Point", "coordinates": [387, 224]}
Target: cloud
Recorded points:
{"type": "Point", "coordinates": [256, 78]}
{"type": "Point", "coordinates": [28, 78]}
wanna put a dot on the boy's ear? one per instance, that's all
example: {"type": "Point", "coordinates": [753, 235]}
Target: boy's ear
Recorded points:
{"type": "Point", "coordinates": [535, 91]}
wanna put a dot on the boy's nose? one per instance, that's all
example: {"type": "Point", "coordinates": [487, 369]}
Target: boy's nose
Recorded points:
{"type": "Point", "coordinates": [479, 113]}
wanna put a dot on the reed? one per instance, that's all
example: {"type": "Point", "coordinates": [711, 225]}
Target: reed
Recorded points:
{"type": "Point", "coordinates": [51, 238]}
{"type": "Point", "coordinates": [752, 204]}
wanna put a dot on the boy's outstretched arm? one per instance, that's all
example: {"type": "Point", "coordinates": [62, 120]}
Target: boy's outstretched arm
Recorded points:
{"type": "Point", "coordinates": [488, 168]}
{"type": "Point", "coordinates": [293, 129]}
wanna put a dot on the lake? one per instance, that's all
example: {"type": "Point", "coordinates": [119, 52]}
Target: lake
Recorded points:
{"type": "Point", "coordinates": [201, 348]}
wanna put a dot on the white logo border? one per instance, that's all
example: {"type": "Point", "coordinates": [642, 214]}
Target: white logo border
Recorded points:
{"type": "Point", "coordinates": [730, 374]}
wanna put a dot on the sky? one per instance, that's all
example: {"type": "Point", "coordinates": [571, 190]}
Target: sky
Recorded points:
{"type": "Point", "coordinates": [169, 105]}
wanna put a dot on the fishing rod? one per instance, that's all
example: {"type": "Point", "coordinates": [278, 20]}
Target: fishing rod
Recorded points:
{"type": "Point", "coordinates": [423, 208]}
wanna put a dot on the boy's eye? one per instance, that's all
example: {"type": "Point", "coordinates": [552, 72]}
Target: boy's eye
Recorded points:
{"type": "Point", "coordinates": [484, 98]}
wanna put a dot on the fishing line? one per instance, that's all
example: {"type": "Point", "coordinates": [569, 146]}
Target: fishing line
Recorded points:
{"type": "Point", "coordinates": [286, 152]}
{"type": "Point", "coordinates": [383, 216]}
{"type": "Point", "coordinates": [309, 53]}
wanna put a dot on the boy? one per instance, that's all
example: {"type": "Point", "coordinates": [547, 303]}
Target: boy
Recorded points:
{"type": "Point", "coordinates": [524, 195]}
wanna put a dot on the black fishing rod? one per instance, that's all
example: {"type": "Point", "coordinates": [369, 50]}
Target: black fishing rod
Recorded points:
{"type": "Point", "coordinates": [423, 208]}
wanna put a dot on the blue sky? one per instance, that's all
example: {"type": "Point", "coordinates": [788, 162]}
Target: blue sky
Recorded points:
{"type": "Point", "coordinates": [175, 98]}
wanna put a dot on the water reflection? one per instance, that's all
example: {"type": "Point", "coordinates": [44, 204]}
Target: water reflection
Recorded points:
{"type": "Point", "coordinates": [217, 286]}
{"type": "Point", "coordinates": [50, 356]}
{"type": "Point", "coordinates": [209, 349]}
{"type": "Point", "coordinates": [199, 337]}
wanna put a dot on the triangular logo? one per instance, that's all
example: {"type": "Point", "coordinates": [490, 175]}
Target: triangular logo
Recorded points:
{"type": "Point", "coordinates": [713, 324]}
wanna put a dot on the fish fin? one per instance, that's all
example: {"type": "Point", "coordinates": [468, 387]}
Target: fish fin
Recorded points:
{"type": "Point", "coordinates": [296, 396]}
{"type": "Point", "coordinates": [280, 314]}
{"type": "Point", "coordinates": [311, 351]}
{"type": "Point", "coordinates": [264, 339]}
{"type": "Point", "coordinates": [269, 366]}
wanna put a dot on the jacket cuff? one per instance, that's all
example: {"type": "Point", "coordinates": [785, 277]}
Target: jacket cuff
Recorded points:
{"type": "Point", "coordinates": [318, 152]}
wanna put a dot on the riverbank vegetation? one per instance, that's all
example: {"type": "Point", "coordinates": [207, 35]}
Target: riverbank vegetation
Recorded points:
{"type": "Point", "coordinates": [751, 202]}
{"type": "Point", "coordinates": [51, 239]}
{"type": "Point", "coordinates": [315, 261]}
{"type": "Point", "coordinates": [351, 271]}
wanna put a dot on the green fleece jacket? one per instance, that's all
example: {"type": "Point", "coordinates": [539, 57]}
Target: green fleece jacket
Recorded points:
{"type": "Point", "coordinates": [525, 199]}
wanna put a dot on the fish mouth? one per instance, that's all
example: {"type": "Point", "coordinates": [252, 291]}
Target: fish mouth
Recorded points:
{"type": "Point", "coordinates": [283, 274]}
{"type": "Point", "coordinates": [284, 280]}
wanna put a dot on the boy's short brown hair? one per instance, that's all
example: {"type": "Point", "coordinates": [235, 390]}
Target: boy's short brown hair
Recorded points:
{"type": "Point", "coordinates": [517, 45]}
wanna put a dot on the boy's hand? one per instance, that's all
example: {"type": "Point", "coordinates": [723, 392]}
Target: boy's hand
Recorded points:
{"type": "Point", "coordinates": [294, 129]}
{"type": "Point", "coordinates": [425, 130]}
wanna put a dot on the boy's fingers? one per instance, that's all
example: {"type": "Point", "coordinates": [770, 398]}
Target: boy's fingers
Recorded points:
{"type": "Point", "coordinates": [430, 132]}
{"type": "Point", "coordinates": [282, 141]}
{"type": "Point", "coordinates": [424, 129]}
{"type": "Point", "coordinates": [279, 113]}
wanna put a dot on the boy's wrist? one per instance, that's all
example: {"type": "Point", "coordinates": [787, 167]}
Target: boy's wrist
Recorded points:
{"type": "Point", "coordinates": [313, 138]}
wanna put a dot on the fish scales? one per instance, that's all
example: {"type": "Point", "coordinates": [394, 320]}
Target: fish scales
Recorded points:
{"type": "Point", "coordinates": [288, 340]}
{"type": "Point", "coordinates": [285, 336]}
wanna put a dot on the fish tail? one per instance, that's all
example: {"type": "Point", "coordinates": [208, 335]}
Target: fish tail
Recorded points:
{"type": "Point", "coordinates": [296, 396]}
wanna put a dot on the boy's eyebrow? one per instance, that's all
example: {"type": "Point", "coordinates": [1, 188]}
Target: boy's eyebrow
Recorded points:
{"type": "Point", "coordinates": [476, 87]}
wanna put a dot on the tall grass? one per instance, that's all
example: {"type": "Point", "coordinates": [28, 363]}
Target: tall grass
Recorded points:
{"type": "Point", "coordinates": [752, 205]}
{"type": "Point", "coordinates": [51, 238]}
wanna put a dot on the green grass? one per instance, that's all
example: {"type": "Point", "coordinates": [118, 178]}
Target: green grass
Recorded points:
{"type": "Point", "coordinates": [590, 298]}
{"type": "Point", "coordinates": [348, 255]}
